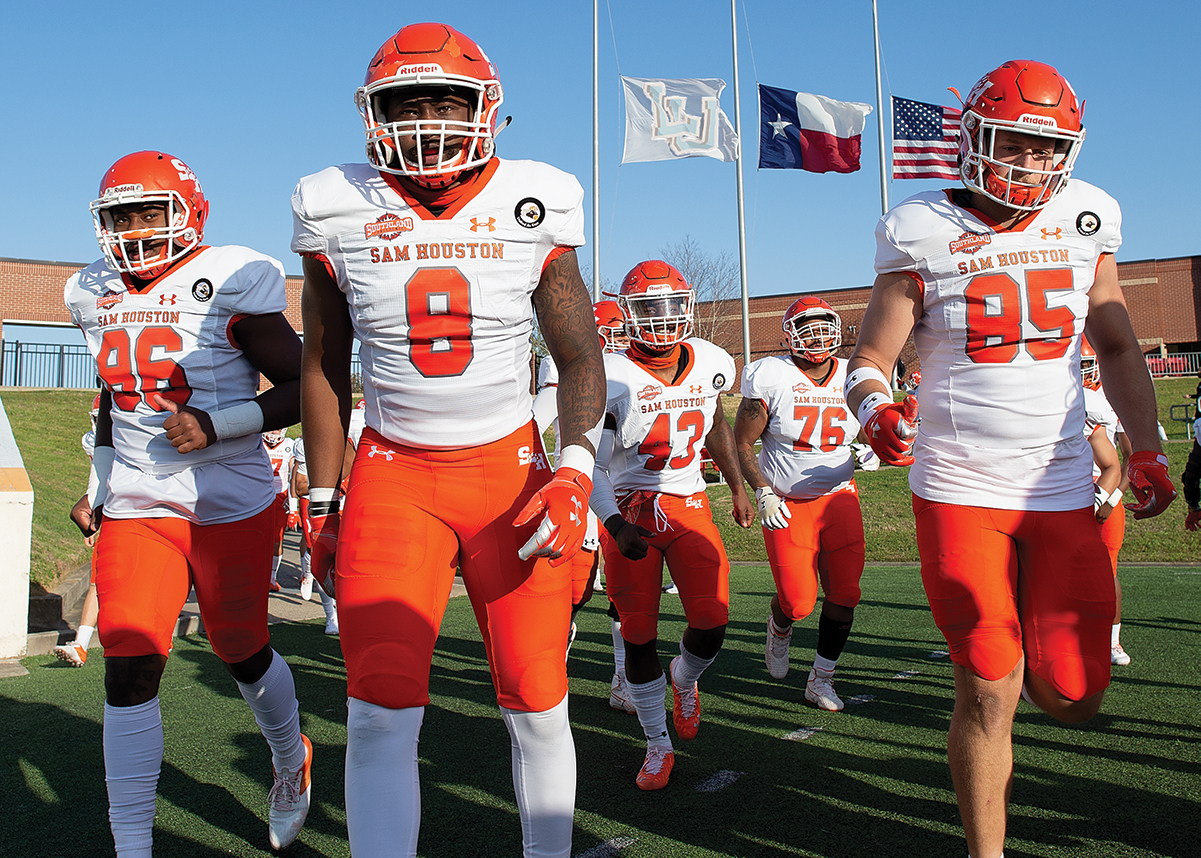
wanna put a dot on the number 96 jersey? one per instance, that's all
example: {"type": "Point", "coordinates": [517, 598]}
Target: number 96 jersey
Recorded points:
{"type": "Point", "coordinates": [1003, 310]}
{"type": "Point", "coordinates": [807, 443]}
{"type": "Point", "coordinates": [661, 427]}
{"type": "Point", "coordinates": [441, 302]}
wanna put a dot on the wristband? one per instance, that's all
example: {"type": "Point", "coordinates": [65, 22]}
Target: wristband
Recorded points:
{"type": "Point", "coordinates": [577, 457]}
{"type": "Point", "coordinates": [237, 420]}
{"type": "Point", "coordinates": [323, 501]}
{"type": "Point", "coordinates": [869, 405]}
{"type": "Point", "coordinates": [862, 374]}
{"type": "Point", "coordinates": [102, 466]}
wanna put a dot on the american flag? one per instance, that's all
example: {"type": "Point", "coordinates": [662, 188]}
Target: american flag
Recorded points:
{"type": "Point", "coordinates": [925, 140]}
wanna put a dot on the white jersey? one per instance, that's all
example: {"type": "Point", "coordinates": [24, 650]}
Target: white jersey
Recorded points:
{"type": "Point", "coordinates": [175, 339]}
{"type": "Point", "coordinates": [807, 442]}
{"type": "Point", "coordinates": [358, 422]}
{"type": "Point", "coordinates": [999, 341]}
{"type": "Point", "coordinates": [298, 458]}
{"type": "Point", "coordinates": [1099, 414]}
{"type": "Point", "coordinates": [88, 442]}
{"type": "Point", "coordinates": [281, 463]}
{"type": "Point", "coordinates": [661, 428]}
{"type": "Point", "coordinates": [441, 305]}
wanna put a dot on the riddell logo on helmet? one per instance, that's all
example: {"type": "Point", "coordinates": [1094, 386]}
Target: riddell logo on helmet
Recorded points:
{"type": "Point", "coordinates": [121, 190]}
{"type": "Point", "coordinates": [1042, 121]}
{"type": "Point", "coordinates": [969, 242]}
{"type": "Point", "coordinates": [422, 68]}
{"type": "Point", "coordinates": [388, 227]}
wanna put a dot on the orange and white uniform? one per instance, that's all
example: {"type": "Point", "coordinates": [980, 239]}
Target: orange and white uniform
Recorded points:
{"type": "Point", "coordinates": [442, 308]}
{"type": "Point", "coordinates": [201, 519]}
{"type": "Point", "coordinates": [1100, 416]}
{"type": "Point", "coordinates": [281, 469]}
{"type": "Point", "coordinates": [655, 473]}
{"type": "Point", "coordinates": [807, 459]}
{"type": "Point", "coordinates": [1001, 478]}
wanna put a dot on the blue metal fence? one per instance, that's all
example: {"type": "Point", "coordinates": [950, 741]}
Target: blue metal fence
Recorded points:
{"type": "Point", "coordinates": [46, 365]}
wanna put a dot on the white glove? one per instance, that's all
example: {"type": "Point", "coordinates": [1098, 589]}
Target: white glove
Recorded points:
{"type": "Point", "coordinates": [773, 512]}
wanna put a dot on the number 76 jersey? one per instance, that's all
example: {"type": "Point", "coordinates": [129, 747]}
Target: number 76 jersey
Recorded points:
{"type": "Point", "coordinates": [660, 427]}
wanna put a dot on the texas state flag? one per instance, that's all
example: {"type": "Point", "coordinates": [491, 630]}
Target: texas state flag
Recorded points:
{"type": "Point", "coordinates": [802, 131]}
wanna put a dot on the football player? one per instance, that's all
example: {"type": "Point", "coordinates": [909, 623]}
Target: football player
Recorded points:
{"type": "Point", "coordinates": [1190, 480]}
{"type": "Point", "coordinates": [1107, 440]}
{"type": "Point", "coordinates": [279, 451]}
{"type": "Point", "coordinates": [300, 488]}
{"type": "Point", "coordinates": [181, 332]}
{"type": "Point", "coordinates": [663, 405]}
{"type": "Point", "coordinates": [75, 653]}
{"type": "Point", "coordinates": [805, 487]}
{"type": "Point", "coordinates": [998, 280]}
{"type": "Point", "coordinates": [437, 254]}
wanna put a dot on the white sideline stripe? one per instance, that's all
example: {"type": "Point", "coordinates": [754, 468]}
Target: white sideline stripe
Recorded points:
{"type": "Point", "coordinates": [802, 734]}
{"type": "Point", "coordinates": [719, 781]}
{"type": "Point", "coordinates": [860, 698]}
{"type": "Point", "coordinates": [608, 848]}
{"type": "Point", "coordinates": [939, 653]}
{"type": "Point", "coordinates": [906, 674]}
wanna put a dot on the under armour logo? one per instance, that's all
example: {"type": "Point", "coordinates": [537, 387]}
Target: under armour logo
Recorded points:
{"type": "Point", "coordinates": [1052, 233]}
{"type": "Point", "coordinates": [164, 300]}
{"type": "Point", "coordinates": [387, 454]}
{"type": "Point", "coordinates": [695, 388]}
{"type": "Point", "coordinates": [476, 224]}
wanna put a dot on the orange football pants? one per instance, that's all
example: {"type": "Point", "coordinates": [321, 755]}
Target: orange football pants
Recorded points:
{"type": "Point", "coordinates": [1113, 531]}
{"type": "Point", "coordinates": [685, 536]}
{"type": "Point", "coordinates": [584, 567]}
{"type": "Point", "coordinates": [412, 516]}
{"type": "Point", "coordinates": [280, 522]}
{"type": "Point", "coordinates": [1006, 582]}
{"type": "Point", "coordinates": [145, 567]}
{"type": "Point", "coordinates": [823, 542]}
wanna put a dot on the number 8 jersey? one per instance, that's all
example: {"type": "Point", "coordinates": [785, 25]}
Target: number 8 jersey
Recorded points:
{"type": "Point", "coordinates": [440, 302]}
{"type": "Point", "coordinates": [1003, 311]}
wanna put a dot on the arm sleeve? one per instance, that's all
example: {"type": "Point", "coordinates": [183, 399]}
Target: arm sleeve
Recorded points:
{"type": "Point", "coordinates": [1191, 478]}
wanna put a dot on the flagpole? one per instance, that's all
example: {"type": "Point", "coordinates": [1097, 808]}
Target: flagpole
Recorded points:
{"type": "Point", "coordinates": [880, 114]}
{"type": "Point", "coordinates": [596, 282]}
{"type": "Point", "coordinates": [746, 315]}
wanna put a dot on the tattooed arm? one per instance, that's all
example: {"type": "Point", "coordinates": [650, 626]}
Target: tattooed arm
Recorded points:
{"type": "Point", "coordinates": [720, 444]}
{"type": "Point", "coordinates": [569, 326]}
{"type": "Point", "coordinates": [749, 424]}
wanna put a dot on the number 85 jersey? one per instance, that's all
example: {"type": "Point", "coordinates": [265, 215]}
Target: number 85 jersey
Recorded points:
{"type": "Point", "coordinates": [1003, 310]}
{"type": "Point", "coordinates": [440, 303]}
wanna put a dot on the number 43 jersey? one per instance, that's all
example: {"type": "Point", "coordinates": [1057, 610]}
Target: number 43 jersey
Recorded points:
{"type": "Point", "coordinates": [441, 303]}
{"type": "Point", "coordinates": [661, 427]}
{"type": "Point", "coordinates": [1003, 311]}
{"type": "Point", "coordinates": [807, 443]}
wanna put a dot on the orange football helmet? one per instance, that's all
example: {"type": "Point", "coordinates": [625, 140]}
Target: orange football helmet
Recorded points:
{"type": "Point", "coordinates": [1090, 371]}
{"type": "Point", "coordinates": [814, 330]}
{"type": "Point", "coordinates": [275, 437]}
{"type": "Point", "coordinates": [430, 55]}
{"type": "Point", "coordinates": [611, 325]}
{"type": "Point", "coordinates": [656, 302]}
{"type": "Point", "coordinates": [150, 177]}
{"type": "Point", "coordinates": [1029, 98]}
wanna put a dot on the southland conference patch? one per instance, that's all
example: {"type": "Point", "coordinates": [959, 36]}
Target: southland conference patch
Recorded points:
{"type": "Point", "coordinates": [530, 212]}
{"type": "Point", "coordinates": [1088, 223]}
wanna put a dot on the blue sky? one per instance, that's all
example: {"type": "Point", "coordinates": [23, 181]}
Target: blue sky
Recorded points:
{"type": "Point", "coordinates": [255, 95]}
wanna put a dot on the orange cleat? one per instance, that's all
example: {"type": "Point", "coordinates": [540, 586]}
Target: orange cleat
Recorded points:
{"type": "Point", "coordinates": [685, 708]}
{"type": "Point", "coordinates": [656, 769]}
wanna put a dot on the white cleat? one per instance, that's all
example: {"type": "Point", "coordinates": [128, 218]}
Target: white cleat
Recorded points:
{"type": "Point", "coordinates": [776, 652]}
{"type": "Point", "coordinates": [819, 691]}
{"type": "Point", "coordinates": [289, 801]}
{"type": "Point", "coordinates": [76, 656]}
{"type": "Point", "coordinates": [331, 625]}
{"type": "Point", "coordinates": [306, 586]}
{"type": "Point", "coordinates": [619, 696]}
{"type": "Point", "coordinates": [1118, 656]}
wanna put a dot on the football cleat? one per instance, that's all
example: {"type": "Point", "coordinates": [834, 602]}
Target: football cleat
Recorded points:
{"type": "Point", "coordinates": [671, 589]}
{"type": "Point", "coordinates": [776, 652]}
{"type": "Point", "coordinates": [619, 696]}
{"type": "Point", "coordinates": [685, 707]}
{"type": "Point", "coordinates": [76, 656]}
{"type": "Point", "coordinates": [819, 691]}
{"type": "Point", "coordinates": [331, 625]}
{"type": "Point", "coordinates": [656, 768]}
{"type": "Point", "coordinates": [274, 586]}
{"type": "Point", "coordinates": [571, 633]}
{"type": "Point", "coordinates": [306, 586]}
{"type": "Point", "coordinates": [289, 801]}
{"type": "Point", "coordinates": [1118, 656]}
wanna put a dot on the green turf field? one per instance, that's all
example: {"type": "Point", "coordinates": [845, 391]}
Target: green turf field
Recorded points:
{"type": "Point", "coordinates": [767, 776]}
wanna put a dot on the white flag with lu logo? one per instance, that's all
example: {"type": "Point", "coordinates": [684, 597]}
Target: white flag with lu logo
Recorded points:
{"type": "Point", "coordinates": [668, 119]}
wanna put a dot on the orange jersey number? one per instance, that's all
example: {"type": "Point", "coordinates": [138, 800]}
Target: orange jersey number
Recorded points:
{"type": "Point", "coordinates": [658, 444]}
{"type": "Point", "coordinates": [994, 316]}
{"type": "Point", "coordinates": [438, 304]}
{"type": "Point", "coordinates": [138, 372]}
{"type": "Point", "coordinates": [832, 437]}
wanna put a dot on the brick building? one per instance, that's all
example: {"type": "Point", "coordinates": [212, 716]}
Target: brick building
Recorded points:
{"type": "Point", "coordinates": [1164, 296]}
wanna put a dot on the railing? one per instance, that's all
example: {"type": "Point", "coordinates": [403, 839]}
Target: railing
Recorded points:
{"type": "Point", "coordinates": [46, 365]}
{"type": "Point", "coordinates": [1181, 363]}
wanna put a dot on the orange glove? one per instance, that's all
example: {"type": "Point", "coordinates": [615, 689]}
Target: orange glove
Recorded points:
{"type": "Point", "coordinates": [891, 430]}
{"type": "Point", "coordinates": [564, 500]}
{"type": "Point", "coordinates": [1192, 521]}
{"type": "Point", "coordinates": [324, 520]}
{"type": "Point", "coordinates": [1150, 483]}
